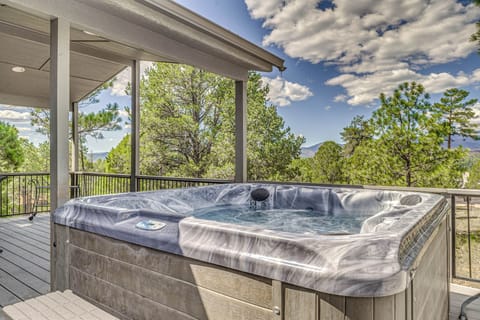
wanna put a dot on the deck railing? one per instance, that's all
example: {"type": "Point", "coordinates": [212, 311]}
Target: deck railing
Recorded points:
{"type": "Point", "coordinates": [24, 193]}
{"type": "Point", "coordinates": [20, 193]}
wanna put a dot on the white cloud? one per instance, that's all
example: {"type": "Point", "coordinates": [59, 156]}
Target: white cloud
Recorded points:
{"type": "Point", "coordinates": [121, 82]}
{"type": "Point", "coordinates": [340, 98]}
{"type": "Point", "coordinates": [283, 92]}
{"type": "Point", "coordinates": [369, 39]}
{"type": "Point", "coordinates": [123, 78]}
{"type": "Point", "coordinates": [363, 89]}
{"type": "Point", "coordinates": [328, 108]}
{"type": "Point", "coordinates": [476, 109]}
{"type": "Point", "coordinates": [24, 129]}
{"type": "Point", "coordinates": [14, 116]}
{"type": "Point", "coordinates": [124, 114]}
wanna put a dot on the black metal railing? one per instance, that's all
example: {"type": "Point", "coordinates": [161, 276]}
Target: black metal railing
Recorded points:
{"type": "Point", "coordinates": [94, 184]}
{"type": "Point", "coordinates": [150, 183]}
{"type": "Point", "coordinates": [21, 193]}
{"type": "Point", "coordinates": [465, 235]}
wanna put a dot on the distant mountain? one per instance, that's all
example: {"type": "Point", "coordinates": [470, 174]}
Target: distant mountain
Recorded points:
{"type": "Point", "coordinates": [94, 156]}
{"type": "Point", "coordinates": [473, 145]}
{"type": "Point", "coordinates": [309, 152]}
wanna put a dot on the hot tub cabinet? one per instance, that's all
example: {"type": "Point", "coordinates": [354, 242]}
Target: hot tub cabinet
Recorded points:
{"type": "Point", "coordinates": [202, 269]}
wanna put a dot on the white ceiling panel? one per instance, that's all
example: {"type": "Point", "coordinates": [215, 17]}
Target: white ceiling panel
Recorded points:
{"type": "Point", "coordinates": [23, 52]}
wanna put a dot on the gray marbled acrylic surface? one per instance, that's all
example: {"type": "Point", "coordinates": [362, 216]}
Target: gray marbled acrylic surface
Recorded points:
{"type": "Point", "coordinates": [371, 261]}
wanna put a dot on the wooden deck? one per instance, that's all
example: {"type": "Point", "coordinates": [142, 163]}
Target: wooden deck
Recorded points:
{"type": "Point", "coordinates": [25, 260]}
{"type": "Point", "coordinates": [25, 265]}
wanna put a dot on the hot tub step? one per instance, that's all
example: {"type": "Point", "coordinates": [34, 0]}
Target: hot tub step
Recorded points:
{"type": "Point", "coordinates": [56, 305]}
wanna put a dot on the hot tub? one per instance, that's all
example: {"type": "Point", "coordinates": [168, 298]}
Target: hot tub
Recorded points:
{"type": "Point", "coordinates": [257, 251]}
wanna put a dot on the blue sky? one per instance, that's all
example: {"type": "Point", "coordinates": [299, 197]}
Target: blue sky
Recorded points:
{"type": "Point", "coordinates": [339, 55]}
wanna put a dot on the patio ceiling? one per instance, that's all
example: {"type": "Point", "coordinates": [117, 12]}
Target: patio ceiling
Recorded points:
{"type": "Point", "coordinates": [25, 42]}
{"type": "Point", "coordinates": [118, 32]}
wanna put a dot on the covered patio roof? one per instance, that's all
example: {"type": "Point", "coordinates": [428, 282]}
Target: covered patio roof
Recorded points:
{"type": "Point", "coordinates": [68, 48]}
{"type": "Point", "coordinates": [105, 37]}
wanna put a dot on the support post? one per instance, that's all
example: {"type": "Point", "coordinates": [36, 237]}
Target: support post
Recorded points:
{"type": "Point", "coordinates": [240, 131]}
{"type": "Point", "coordinates": [75, 138]}
{"type": "Point", "coordinates": [74, 190]}
{"type": "Point", "coordinates": [135, 126]}
{"type": "Point", "coordinates": [59, 104]}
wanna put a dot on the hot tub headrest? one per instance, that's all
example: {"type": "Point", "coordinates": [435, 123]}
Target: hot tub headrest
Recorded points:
{"type": "Point", "coordinates": [260, 194]}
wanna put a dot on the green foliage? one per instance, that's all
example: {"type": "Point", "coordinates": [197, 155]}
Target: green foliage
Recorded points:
{"type": "Point", "coordinates": [302, 170]}
{"type": "Point", "coordinates": [188, 127]}
{"type": "Point", "coordinates": [474, 175]}
{"type": "Point", "coordinates": [11, 151]}
{"type": "Point", "coordinates": [118, 159]}
{"type": "Point", "coordinates": [408, 129]}
{"type": "Point", "coordinates": [406, 148]}
{"type": "Point", "coordinates": [327, 164]}
{"type": "Point", "coordinates": [89, 124]}
{"type": "Point", "coordinates": [181, 117]}
{"type": "Point", "coordinates": [354, 134]}
{"type": "Point", "coordinates": [37, 159]}
{"type": "Point", "coordinates": [476, 36]}
{"type": "Point", "coordinates": [457, 115]}
{"type": "Point", "coordinates": [370, 165]}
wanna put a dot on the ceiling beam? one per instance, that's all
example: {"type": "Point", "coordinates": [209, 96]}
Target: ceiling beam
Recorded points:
{"type": "Point", "coordinates": [111, 27]}
{"type": "Point", "coordinates": [24, 101]}
{"type": "Point", "coordinates": [77, 47]}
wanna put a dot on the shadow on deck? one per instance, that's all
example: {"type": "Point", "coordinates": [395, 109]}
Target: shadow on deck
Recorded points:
{"type": "Point", "coordinates": [25, 260]}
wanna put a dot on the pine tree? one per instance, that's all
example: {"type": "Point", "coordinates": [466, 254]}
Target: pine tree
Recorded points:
{"type": "Point", "coordinates": [457, 115]}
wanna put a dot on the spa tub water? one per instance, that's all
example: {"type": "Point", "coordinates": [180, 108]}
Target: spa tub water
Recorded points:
{"type": "Point", "coordinates": [298, 221]}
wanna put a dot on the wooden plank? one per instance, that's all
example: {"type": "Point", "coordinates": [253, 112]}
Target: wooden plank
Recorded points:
{"type": "Point", "coordinates": [44, 234]}
{"type": "Point", "coordinates": [26, 232]}
{"type": "Point", "coordinates": [400, 307]}
{"type": "Point", "coordinates": [408, 302]}
{"type": "Point", "coordinates": [430, 290]}
{"type": "Point", "coordinates": [6, 297]}
{"type": "Point", "coordinates": [56, 306]}
{"type": "Point", "coordinates": [219, 279]}
{"type": "Point", "coordinates": [358, 308]}
{"type": "Point", "coordinates": [61, 258]}
{"type": "Point", "coordinates": [12, 235]}
{"type": "Point", "coordinates": [300, 304]}
{"type": "Point", "coordinates": [23, 276]}
{"type": "Point", "coordinates": [278, 300]}
{"type": "Point", "coordinates": [26, 265]}
{"type": "Point", "coordinates": [195, 301]}
{"type": "Point", "coordinates": [42, 262]}
{"type": "Point", "coordinates": [384, 308]}
{"type": "Point", "coordinates": [25, 236]}
{"type": "Point", "coordinates": [116, 298]}
{"type": "Point", "coordinates": [17, 288]}
{"type": "Point", "coordinates": [332, 307]}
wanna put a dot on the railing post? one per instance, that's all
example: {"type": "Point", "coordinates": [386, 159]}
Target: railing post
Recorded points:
{"type": "Point", "coordinates": [1, 194]}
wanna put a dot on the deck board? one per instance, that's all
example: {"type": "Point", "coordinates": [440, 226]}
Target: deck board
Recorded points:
{"type": "Point", "coordinates": [25, 260]}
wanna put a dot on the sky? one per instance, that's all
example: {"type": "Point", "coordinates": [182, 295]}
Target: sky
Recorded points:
{"type": "Point", "coordinates": [340, 55]}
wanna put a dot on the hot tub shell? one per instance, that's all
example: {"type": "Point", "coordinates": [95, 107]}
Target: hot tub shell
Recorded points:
{"type": "Point", "coordinates": [396, 269]}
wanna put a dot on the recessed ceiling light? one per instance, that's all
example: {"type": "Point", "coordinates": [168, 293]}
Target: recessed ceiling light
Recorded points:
{"type": "Point", "coordinates": [18, 69]}
{"type": "Point", "coordinates": [89, 33]}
